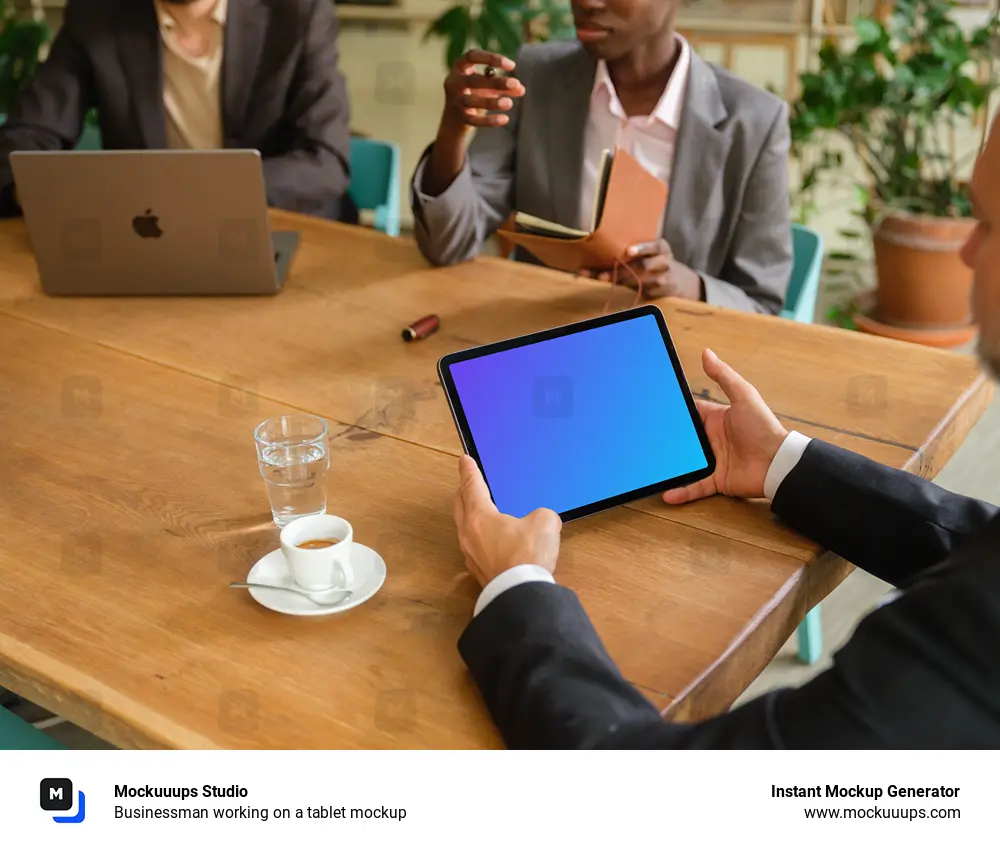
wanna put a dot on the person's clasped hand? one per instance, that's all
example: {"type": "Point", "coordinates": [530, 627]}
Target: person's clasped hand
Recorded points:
{"type": "Point", "coordinates": [476, 100]}
{"type": "Point", "coordinates": [493, 542]}
{"type": "Point", "coordinates": [661, 273]}
{"type": "Point", "coordinates": [745, 436]}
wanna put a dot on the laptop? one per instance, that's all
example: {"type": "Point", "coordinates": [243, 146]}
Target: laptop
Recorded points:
{"type": "Point", "coordinates": [151, 222]}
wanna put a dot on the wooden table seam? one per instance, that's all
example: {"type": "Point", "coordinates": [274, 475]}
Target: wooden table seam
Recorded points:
{"type": "Point", "coordinates": [347, 427]}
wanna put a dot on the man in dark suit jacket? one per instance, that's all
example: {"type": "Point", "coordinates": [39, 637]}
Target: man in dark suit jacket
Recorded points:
{"type": "Point", "coordinates": [922, 671]}
{"type": "Point", "coordinates": [259, 74]}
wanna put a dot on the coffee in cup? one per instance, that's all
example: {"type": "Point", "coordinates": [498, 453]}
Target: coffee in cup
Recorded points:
{"type": "Point", "coordinates": [317, 544]}
{"type": "Point", "coordinates": [317, 550]}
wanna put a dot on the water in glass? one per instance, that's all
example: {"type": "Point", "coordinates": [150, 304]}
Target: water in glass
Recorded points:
{"type": "Point", "coordinates": [294, 461]}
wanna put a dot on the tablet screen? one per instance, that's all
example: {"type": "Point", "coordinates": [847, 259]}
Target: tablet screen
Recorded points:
{"type": "Point", "coordinates": [580, 421]}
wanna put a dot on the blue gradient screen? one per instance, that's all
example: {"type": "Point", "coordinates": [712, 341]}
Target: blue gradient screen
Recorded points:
{"type": "Point", "coordinates": [575, 420]}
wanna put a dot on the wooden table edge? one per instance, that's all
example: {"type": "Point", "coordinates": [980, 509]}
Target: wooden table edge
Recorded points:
{"type": "Point", "coordinates": [710, 693]}
{"type": "Point", "coordinates": [967, 410]}
{"type": "Point", "coordinates": [86, 702]}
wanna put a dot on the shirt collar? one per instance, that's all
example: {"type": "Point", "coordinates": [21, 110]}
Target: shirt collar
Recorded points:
{"type": "Point", "coordinates": [668, 109]}
{"type": "Point", "coordinates": [166, 19]}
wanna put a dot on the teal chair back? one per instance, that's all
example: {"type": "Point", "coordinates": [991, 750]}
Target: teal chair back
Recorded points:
{"type": "Point", "coordinates": [375, 181]}
{"type": "Point", "coordinates": [803, 288]}
{"type": "Point", "coordinates": [16, 734]}
{"type": "Point", "coordinates": [90, 139]}
{"type": "Point", "coordinates": [800, 306]}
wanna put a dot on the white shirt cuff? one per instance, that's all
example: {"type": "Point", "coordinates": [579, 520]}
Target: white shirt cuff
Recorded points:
{"type": "Point", "coordinates": [508, 579]}
{"type": "Point", "coordinates": [784, 461]}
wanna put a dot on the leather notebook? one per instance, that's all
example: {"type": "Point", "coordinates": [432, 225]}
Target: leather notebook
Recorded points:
{"type": "Point", "coordinates": [628, 209]}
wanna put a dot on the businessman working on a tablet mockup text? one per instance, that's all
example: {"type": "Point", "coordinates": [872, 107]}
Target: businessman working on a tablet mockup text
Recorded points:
{"type": "Point", "coordinates": [919, 672]}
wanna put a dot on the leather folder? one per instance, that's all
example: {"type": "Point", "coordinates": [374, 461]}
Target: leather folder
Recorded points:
{"type": "Point", "coordinates": [632, 212]}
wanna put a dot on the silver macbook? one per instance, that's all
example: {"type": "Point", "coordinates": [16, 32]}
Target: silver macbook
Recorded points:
{"type": "Point", "coordinates": [151, 222]}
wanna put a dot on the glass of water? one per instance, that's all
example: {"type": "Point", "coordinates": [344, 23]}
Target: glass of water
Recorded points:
{"type": "Point", "coordinates": [294, 460]}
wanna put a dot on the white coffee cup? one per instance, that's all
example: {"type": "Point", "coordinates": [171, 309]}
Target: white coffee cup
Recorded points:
{"type": "Point", "coordinates": [319, 569]}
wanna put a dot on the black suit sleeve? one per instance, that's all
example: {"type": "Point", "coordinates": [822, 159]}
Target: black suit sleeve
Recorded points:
{"type": "Point", "coordinates": [314, 174]}
{"type": "Point", "coordinates": [549, 683]}
{"type": "Point", "coordinates": [50, 112]}
{"type": "Point", "coordinates": [918, 673]}
{"type": "Point", "coordinates": [887, 522]}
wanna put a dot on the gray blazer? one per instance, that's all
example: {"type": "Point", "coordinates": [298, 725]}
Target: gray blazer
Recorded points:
{"type": "Point", "coordinates": [728, 209]}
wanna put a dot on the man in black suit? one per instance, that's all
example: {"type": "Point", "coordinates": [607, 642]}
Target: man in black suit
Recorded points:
{"type": "Point", "coordinates": [176, 74]}
{"type": "Point", "coordinates": [922, 671]}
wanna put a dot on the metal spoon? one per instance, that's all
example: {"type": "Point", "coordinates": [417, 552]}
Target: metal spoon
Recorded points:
{"type": "Point", "coordinates": [308, 594]}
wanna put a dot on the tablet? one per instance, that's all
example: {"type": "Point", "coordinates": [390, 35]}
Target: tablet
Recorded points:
{"type": "Point", "coordinates": [580, 418]}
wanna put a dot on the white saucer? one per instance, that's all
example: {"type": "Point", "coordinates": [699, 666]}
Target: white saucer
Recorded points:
{"type": "Point", "coordinates": [369, 573]}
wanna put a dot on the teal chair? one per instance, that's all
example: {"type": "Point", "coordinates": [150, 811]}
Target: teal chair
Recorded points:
{"type": "Point", "coordinates": [90, 140]}
{"type": "Point", "coordinates": [375, 181]}
{"type": "Point", "coordinates": [17, 734]}
{"type": "Point", "coordinates": [800, 306]}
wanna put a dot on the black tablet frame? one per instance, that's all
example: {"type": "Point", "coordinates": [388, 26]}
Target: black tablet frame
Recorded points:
{"type": "Point", "coordinates": [462, 424]}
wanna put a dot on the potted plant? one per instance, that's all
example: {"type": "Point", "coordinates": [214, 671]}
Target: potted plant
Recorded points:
{"type": "Point", "coordinates": [899, 97]}
{"type": "Point", "coordinates": [23, 34]}
{"type": "Point", "coordinates": [500, 25]}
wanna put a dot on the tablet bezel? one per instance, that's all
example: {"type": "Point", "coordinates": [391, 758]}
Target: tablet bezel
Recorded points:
{"type": "Point", "coordinates": [465, 433]}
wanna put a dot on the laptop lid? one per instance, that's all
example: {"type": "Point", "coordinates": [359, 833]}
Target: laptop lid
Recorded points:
{"type": "Point", "coordinates": [148, 222]}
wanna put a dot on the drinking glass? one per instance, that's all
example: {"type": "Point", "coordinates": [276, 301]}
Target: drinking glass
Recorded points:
{"type": "Point", "coordinates": [294, 460]}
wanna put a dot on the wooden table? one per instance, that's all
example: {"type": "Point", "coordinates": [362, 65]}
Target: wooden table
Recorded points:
{"type": "Point", "coordinates": [131, 497]}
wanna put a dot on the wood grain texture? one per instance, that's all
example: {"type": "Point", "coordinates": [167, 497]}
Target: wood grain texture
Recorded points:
{"type": "Point", "coordinates": [352, 291]}
{"type": "Point", "coordinates": [131, 497]}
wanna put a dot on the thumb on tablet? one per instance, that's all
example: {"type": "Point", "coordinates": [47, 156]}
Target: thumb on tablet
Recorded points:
{"type": "Point", "coordinates": [733, 384]}
{"type": "Point", "coordinates": [475, 494]}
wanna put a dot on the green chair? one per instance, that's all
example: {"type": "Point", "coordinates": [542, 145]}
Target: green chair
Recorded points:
{"type": "Point", "coordinates": [90, 139]}
{"type": "Point", "coordinates": [800, 306]}
{"type": "Point", "coordinates": [17, 734]}
{"type": "Point", "coordinates": [375, 181]}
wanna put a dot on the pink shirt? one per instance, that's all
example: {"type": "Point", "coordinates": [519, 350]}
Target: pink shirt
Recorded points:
{"type": "Point", "coordinates": [649, 138]}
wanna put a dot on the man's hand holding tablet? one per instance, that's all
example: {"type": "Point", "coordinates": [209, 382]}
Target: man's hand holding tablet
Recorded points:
{"type": "Point", "coordinates": [745, 437]}
{"type": "Point", "coordinates": [493, 542]}
{"type": "Point", "coordinates": [581, 418]}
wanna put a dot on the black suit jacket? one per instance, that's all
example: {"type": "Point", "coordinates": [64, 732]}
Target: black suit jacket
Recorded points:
{"type": "Point", "coordinates": [281, 94]}
{"type": "Point", "coordinates": [920, 672]}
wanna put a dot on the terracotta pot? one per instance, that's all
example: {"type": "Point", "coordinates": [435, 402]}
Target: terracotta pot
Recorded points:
{"type": "Point", "coordinates": [922, 282]}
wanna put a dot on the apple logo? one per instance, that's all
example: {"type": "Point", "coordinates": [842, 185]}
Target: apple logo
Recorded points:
{"type": "Point", "coordinates": [147, 225]}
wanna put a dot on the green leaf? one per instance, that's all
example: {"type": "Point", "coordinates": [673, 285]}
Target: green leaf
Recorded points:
{"type": "Point", "coordinates": [458, 40]}
{"type": "Point", "coordinates": [450, 22]}
{"type": "Point", "coordinates": [496, 17]}
{"type": "Point", "coordinates": [868, 30]}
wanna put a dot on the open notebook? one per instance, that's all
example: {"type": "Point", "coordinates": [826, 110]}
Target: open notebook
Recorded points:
{"type": "Point", "coordinates": [539, 226]}
{"type": "Point", "coordinates": [628, 209]}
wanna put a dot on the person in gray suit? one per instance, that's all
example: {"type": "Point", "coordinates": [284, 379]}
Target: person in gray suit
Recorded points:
{"type": "Point", "coordinates": [629, 81]}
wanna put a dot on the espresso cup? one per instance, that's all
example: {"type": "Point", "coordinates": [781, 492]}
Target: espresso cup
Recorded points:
{"type": "Point", "coordinates": [319, 568]}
